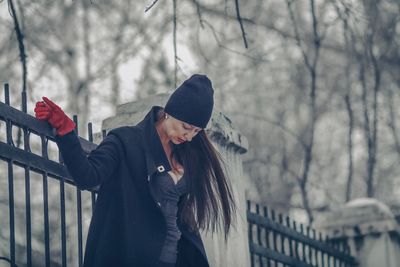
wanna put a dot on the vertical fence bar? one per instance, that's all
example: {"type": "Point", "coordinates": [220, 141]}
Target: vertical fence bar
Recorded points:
{"type": "Point", "coordinates": [63, 226]}
{"type": "Point", "coordinates": [24, 102]}
{"type": "Point", "coordinates": [46, 204]}
{"type": "Point", "coordinates": [90, 135]}
{"type": "Point", "coordinates": [296, 243]}
{"type": "Point", "coordinates": [11, 209]}
{"type": "Point", "coordinates": [314, 236]}
{"type": "Point", "coordinates": [274, 234]}
{"type": "Point", "coordinates": [328, 241]}
{"type": "Point", "coordinates": [267, 234]}
{"type": "Point", "coordinates": [7, 94]}
{"type": "Point", "coordinates": [250, 233]}
{"type": "Point", "coordinates": [290, 240]}
{"type": "Point", "coordinates": [28, 213]}
{"type": "Point", "coordinates": [27, 189]}
{"type": "Point", "coordinates": [303, 245]}
{"type": "Point", "coordinates": [310, 249]}
{"type": "Point", "coordinates": [10, 179]}
{"type": "Point", "coordinates": [79, 211]}
{"type": "Point", "coordinates": [260, 257]}
{"type": "Point", "coordinates": [283, 250]}
{"type": "Point", "coordinates": [322, 253]}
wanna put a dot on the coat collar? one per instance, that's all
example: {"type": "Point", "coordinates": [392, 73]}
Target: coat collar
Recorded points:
{"type": "Point", "coordinates": [156, 159]}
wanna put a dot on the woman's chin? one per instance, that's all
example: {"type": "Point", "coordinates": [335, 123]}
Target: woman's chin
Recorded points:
{"type": "Point", "coordinates": [176, 141]}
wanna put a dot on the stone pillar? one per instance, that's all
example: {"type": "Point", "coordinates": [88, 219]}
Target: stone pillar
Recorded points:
{"type": "Point", "coordinates": [231, 144]}
{"type": "Point", "coordinates": [370, 229]}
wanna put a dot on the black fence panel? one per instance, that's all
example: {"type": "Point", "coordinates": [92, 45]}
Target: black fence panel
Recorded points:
{"type": "Point", "coordinates": [43, 216]}
{"type": "Point", "coordinates": [278, 241]}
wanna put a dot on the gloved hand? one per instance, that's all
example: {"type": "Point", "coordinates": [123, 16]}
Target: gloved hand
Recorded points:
{"type": "Point", "coordinates": [49, 111]}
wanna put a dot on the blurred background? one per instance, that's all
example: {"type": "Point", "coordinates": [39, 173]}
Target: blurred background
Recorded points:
{"type": "Point", "coordinates": [313, 85]}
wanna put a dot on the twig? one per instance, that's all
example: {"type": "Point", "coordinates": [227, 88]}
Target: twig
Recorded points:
{"type": "Point", "coordinates": [199, 13]}
{"type": "Point", "coordinates": [272, 122]}
{"type": "Point", "coordinates": [297, 34]}
{"type": "Point", "coordinates": [150, 6]}
{"type": "Point", "coordinates": [20, 38]}
{"type": "Point", "coordinates": [240, 22]}
{"type": "Point", "coordinates": [175, 50]}
{"type": "Point", "coordinates": [259, 59]}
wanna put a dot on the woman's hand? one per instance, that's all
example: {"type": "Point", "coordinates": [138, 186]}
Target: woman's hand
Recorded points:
{"type": "Point", "coordinates": [49, 111]}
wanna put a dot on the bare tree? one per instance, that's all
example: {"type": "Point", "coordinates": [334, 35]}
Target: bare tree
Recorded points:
{"type": "Point", "coordinates": [343, 14]}
{"type": "Point", "coordinates": [311, 63]}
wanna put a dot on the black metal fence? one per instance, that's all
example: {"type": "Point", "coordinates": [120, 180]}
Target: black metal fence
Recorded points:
{"type": "Point", "coordinates": [275, 240]}
{"type": "Point", "coordinates": [43, 216]}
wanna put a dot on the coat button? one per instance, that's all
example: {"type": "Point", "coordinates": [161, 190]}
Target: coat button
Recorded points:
{"type": "Point", "coordinates": [159, 204]}
{"type": "Point", "coordinates": [160, 168]}
{"type": "Point", "coordinates": [148, 178]}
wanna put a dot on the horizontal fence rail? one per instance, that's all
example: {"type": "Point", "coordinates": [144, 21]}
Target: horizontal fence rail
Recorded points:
{"type": "Point", "coordinates": [278, 241]}
{"type": "Point", "coordinates": [42, 211]}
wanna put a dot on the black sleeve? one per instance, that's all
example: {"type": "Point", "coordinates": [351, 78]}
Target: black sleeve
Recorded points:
{"type": "Point", "coordinates": [91, 170]}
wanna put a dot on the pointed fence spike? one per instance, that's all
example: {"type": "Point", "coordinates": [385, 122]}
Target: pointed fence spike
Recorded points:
{"type": "Point", "coordinates": [90, 132]}
{"type": "Point", "coordinates": [7, 94]}
{"type": "Point", "coordinates": [280, 218]}
{"type": "Point", "coordinates": [248, 205]}
{"type": "Point", "coordinates": [273, 215]}
{"type": "Point", "coordinates": [266, 212]}
{"type": "Point", "coordinates": [75, 119]}
{"type": "Point", "coordinates": [287, 218]}
{"type": "Point", "coordinates": [24, 101]}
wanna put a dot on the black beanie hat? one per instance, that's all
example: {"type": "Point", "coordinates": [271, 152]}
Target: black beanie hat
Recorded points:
{"type": "Point", "coordinates": [192, 102]}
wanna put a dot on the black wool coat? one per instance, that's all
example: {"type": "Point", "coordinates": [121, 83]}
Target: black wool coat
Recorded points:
{"type": "Point", "coordinates": [127, 227]}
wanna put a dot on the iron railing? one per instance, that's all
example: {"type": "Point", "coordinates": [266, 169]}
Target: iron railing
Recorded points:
{"type": "Point", "coordinates": [26, 154]}
{"type": "Point", "coordinates": [279, 241]}
{"type": "Point", "coordinates": [26, 149]}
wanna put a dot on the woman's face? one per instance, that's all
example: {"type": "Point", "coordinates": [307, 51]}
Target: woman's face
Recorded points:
{"type": "Point", "coordinates": [179, 131]}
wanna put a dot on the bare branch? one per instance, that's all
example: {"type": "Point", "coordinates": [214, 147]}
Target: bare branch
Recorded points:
{"type": "Point", "coordinates": [199, 13]}
{"type": "Point", "coordinates": [175, 50]}
{"type": "Point", "coordinates": [297, 34]}
{"type": "Point", "coordinates": [276, 123]}
{"type": "Point", "coordinates": [259, 59]}
{"type": "Point", "coordinates": [150, 6]}
{"type": "Point", "coordinates": [20, 38]}
{"type": "Point", "coordinates": [392, 121]}
{"type": "Point", "coordinates": [350, 146]}
{"type": "Point", "coordinates": [240, 23]}
{"type": "Point", "coordinates": [266, 162]}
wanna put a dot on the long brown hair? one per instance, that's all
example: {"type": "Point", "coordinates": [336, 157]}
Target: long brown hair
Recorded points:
{"type": "Point", "coordinates": [210, 202]}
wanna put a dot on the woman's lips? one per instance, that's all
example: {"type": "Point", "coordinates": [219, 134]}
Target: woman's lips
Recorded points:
{"type": "Point", "coordinates": [181, 140]}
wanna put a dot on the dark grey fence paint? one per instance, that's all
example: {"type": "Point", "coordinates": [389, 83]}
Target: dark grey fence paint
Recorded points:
{"type": "Point", "coordinates": [14, 154]}
{"type": "Point", "coordinates": [273, 241]}
{"type": "Point", "coordinates": [281, 242]}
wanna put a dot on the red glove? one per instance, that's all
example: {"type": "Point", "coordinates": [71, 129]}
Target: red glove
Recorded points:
{"type": "Point", "coordinates": [49, 111]}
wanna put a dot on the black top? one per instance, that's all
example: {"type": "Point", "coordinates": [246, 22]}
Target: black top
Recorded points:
{"type": "Point", "coordinates": [167, 194]}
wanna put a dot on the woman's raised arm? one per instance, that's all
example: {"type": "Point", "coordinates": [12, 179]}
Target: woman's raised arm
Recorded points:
{"type": "Point", "coordinates": [88, 171]}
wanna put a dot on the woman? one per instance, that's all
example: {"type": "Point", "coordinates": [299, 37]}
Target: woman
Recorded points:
{"type": "Point", "coordinates": [160, 182]}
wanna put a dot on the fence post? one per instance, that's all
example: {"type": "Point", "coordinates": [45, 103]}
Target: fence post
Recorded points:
{"type": "Point", "coordinates": [369, 229]}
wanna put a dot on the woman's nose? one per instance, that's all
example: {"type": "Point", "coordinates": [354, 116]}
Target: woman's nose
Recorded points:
{"type": "Point", "coordinates": [190, 135]}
